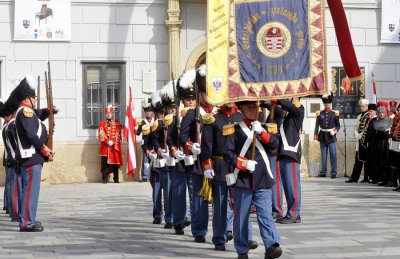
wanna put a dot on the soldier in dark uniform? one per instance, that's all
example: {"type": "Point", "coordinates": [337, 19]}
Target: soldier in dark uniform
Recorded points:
{"type": "Point", "coordinates": [144, 128]}
{"type": "Point", "coordinates": [10, 162]}
{"type": "Point", "coordinates": [364, 151]}
{"type": "Point", "coordinates": [190, 140]}
{"type": "Point", "coordinates": [254, 180]}
{"type": "Point", "coordinates": [290, 157]}
{"type": "Point", "coordinates": [274, 121]}
{"type": "Point", "coordinates": [31, 137]}
{"type": "Point", "coordinates": [327, 125]}
{"type": "Point", "coordinates": [161, 147]}
{"type": "Point", "coordinates": [360, 126]}
{"type": "Point", "coordinates": [214, 167]}
{"type": "Point", "coordinates": [7, 165]}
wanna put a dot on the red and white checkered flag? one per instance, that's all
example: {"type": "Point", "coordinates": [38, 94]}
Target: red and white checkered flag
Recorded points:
{"type": "Point", "coordinates": [130, 136]}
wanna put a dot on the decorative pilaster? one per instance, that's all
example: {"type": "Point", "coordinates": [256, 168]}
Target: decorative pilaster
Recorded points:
{"type": "Point", "coordinates": [173, 23]}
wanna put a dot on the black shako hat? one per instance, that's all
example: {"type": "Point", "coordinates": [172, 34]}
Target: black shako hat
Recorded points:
{"type": "Point", "coordinates": [156, 102]}
{"type": "Point", "coordinates": [25, 89]}
{"type": "Point", "coordinates": [327, 98]}
{"type": "Point", "coordinates": [146, 105]}
{"type": "Point", "coordinates": [167, 94]}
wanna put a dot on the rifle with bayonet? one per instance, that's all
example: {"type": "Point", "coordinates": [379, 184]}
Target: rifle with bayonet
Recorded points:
{"type": "Point", "coordinates": [50, 106]}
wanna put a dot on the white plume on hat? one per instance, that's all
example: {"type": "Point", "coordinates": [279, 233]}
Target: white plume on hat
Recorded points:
{"type": "Point", "coordinates": [145, 103]}
{"type": "Point", "coordinates": [155, 97]}
{"type": "Point", "coordinates": [202, 70]}
{"type": "Point", "coordinates": [30, 81]}
{"type": "Point", "coordinates": [168, 90]}
{"type": "Point", "coordinates": [327, 95]}
{"type": "Point", "coordinates": [187, 79]}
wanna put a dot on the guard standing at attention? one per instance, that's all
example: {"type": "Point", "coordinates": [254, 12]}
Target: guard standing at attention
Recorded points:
{"type": "Point", "coordinates": [327, 125]}
{"type": "Point", "coordinates": [31, 136]}
{"type": "Point", "coordinates": [109, 133]}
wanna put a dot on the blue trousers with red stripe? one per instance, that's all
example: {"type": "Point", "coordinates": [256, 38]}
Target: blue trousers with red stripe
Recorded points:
{"type": "Point", "coordinates": [263, 202]}
{"type": "Point", "coordinates": [179, 180]}
{"type": "Point", "coordinates": [199, 208]}
{"type": "Point", "coordinates": [15, 195]}
{"type": "Point", "coordinates": [30, 183]}
{"type": "Point", "coordinates": [277, 192]}
{"type": "Point", "coordinates": [290, 174]}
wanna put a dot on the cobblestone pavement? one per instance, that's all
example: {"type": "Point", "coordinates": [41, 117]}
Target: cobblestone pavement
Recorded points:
{"type": "Point", "coordinates": [115, 221]}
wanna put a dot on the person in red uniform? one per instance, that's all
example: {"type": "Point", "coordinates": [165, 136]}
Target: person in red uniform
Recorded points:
{"type": "Point", "coordinates": [109, 132]}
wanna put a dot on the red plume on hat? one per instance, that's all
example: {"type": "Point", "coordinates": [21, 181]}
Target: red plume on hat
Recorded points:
{"type": "Point", "coordinates": [109, 108]}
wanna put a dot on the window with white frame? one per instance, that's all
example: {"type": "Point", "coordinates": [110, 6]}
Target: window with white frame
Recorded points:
{"type": "Point", "coordinates": [103, 84]}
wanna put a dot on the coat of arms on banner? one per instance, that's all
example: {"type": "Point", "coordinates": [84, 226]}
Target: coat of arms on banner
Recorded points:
{"type": "Point", "coordinates": [391, 27]}
{"type": "Point", "coordinates": [216, 84]}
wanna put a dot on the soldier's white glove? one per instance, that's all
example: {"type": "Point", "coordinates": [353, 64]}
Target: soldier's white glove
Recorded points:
{"type": "Point", "coordinates": [251, 165]}
{"type": "Point", "coordinates": [256, 127]}
{"type": "Point", "coordinates": [153, 155]}
{"type": "Point", "coordinates": [209, 173]}
{"type": "Point", "coordinates": [164, 154]}
{"type": "Point", "coordinates": [196, 150]}
{"type": "Point", "coordinates": [136, 127]}
{"type": "Point", "coordinates": [110, 143]}
{"type": "Point", "coordinates": [179, 155]}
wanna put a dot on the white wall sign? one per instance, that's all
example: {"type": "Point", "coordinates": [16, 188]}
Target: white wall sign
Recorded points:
{"type": "Point", "coordinates": [149, 81]}
{"type": "Point", "coordinates": [42, 20]}
{"type": "Point", "coordinates": [390, 31]}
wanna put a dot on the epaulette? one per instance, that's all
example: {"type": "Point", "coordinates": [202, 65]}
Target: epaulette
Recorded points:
{"type": "Point", "coordinates": [168, 119]}
{"type": "Point", "coordinates": [228, 129]}
{"type": "Point", "coordinates": [184, 111]}
{"type": "Point", "coordinates": [154, 126]}
{"type": "Point", "coordinates": [318, 113]}
{"type": "Point", "coordinates": [337, 113]}
{"type": "Point", "coordinates": [297, 104]}
{"type": "Point", "coordinates": [28, 112]}
{"type": "Point", "coordinates": [139, 122]}
{"type": "Point", "coordinates": [145, 129]}
{"type": "Point", "coordinates": [208, 118]}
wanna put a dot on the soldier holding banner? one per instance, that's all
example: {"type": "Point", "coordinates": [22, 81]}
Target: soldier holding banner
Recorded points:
{"type": "Point", "coordinates": [254, 180]}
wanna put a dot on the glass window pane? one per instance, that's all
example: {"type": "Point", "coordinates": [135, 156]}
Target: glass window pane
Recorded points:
{"type": "Point", "coordinates": [93, 75]}
{"type": "Point", "coordinates": [113, 74]}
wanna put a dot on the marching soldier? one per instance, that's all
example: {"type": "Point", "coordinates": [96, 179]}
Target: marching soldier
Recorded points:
{"type": "Point", "coordinates": [254, 180]}
{"type": "Point", "coordinates": [144, 128]}
{"type": "Point", "coordinates": [6, 163]}
{"type": "Point", "coordinates": [290, 157]}
{"type": "Point", "coordinates": [328, 125]}
{"type": "Point", "coordinates": [190, 140]}
{"type": "Point", "coordinates": [156, 165]}
{"type": "Point", "coordinates": [161, 147]}
{"type": "Point", "coordinates": [109, 133]}
{"type": "Point", "coordinates": [181, 171]}
{"type": "Point", "coordinates": [31, 137]}
{"type": "Point", "coordinates": [360, 126]}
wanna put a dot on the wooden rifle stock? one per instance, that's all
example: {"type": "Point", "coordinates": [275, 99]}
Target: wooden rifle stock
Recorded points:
{"type": "Point", "coordinates": [50, 107]}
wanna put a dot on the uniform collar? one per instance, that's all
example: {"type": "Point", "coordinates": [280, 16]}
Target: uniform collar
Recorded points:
{"type": "Point", "coordinates": [226, 111]}
{"type": "Point", "coordinates": [207, 108]}
{"type": "Point", "coordinates": [247, 121]}
{"type": "Point", "coordinates": [328, 110]}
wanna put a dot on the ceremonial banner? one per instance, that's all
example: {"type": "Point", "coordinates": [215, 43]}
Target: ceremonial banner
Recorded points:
{"type": "Point", "coordinates": [276, 50]}
{"type": "Point", "coordinates": [390, 31]}
{"type": "Point", "coordinates": [42, 20]}
{"type": "Point", "coordinates": [217, 50]}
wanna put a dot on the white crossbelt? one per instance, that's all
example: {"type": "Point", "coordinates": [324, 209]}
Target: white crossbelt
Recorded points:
{"type": "Point", "coordinates": [246, 146]}
{"type": "Point", "coordinates": [285, 143]}
{"type": "Point", "coordinates": [8, 140]}
{"type": "Point", "coordinates": [25, 153]}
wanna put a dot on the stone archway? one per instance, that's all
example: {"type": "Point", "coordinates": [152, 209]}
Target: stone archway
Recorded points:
{"type": "Point", "coordinates": [197, 57]}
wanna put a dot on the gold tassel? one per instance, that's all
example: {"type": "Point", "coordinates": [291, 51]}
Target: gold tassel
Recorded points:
{"type": "Point", "coordinates": [206, 190]}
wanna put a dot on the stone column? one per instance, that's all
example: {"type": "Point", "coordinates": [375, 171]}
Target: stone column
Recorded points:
{"type": "Point", "coordinates": [173, 23]}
